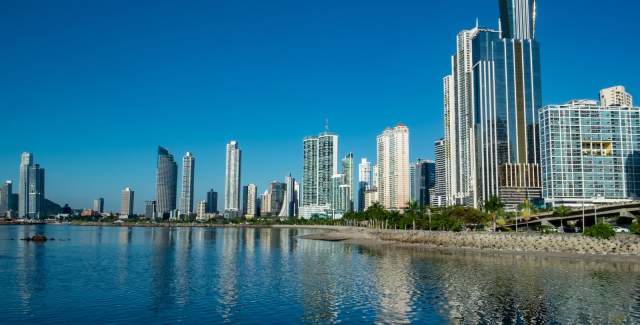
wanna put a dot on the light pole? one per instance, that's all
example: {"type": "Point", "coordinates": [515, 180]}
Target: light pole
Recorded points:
{"type": "Point", "coordinates": [583, 225]}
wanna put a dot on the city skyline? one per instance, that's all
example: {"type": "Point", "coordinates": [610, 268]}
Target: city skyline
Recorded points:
{"type": "Point", "coordinates": [79, 181]}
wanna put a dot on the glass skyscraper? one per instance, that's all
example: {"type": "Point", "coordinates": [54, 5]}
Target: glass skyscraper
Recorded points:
{"type": "Point", "coordinates": [166, 183]}
{"type": "Point", "coordinates": [590, 153]}
{"type": "Point", "coordinates": [232, 179]}
{"type": "Point", "coordinates": [491, 102]}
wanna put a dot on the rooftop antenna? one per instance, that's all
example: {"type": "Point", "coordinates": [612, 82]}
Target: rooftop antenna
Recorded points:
{"type": "Point", "coordinates": [326, 124]}
{"type": "Point", "coordinates": [477, 23]}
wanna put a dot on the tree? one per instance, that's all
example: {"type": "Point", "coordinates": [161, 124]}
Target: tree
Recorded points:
{"type": "Point", "coordinates": [493, 206]}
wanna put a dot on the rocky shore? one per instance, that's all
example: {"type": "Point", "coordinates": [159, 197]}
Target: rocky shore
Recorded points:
{"type": "Point", "coordinates": [561, 244]}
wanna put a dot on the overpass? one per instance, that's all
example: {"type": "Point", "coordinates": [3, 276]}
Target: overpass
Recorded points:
{"type": "Point", "coordinates": [584, 217]}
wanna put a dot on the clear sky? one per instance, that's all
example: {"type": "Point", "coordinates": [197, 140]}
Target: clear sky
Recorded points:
{"type": "Point", "coordinates": [91, 88]}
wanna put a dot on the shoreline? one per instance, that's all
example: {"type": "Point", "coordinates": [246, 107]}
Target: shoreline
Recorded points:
{"type": "Point", "coordinates": [622, 248]}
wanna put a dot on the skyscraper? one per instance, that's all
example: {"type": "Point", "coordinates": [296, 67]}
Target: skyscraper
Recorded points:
{"type": "Point", "coordinates": [232, 179]}
{"type": "Point", "coordinates": [252, 204]}
{"type": "Point", "coordinates": [150, 210]}
{"type": "Point", "coordinates": [36, 193]}
{"type": "Point", "coordinates": [347, 171]}
{"type": "Point", "coordinates": [364, 181]}
{"type": "Point", "coordinates": [491, 102]}
{"type": "Point", "coordinates": [166, 183]}
{"type": "Point", "coordinates": [6, 191]}
{"type": "Point", "coordinates": [26, 161]}
{"type": "Point", "coordinates": [244, 199]}
{"type": "Point", "coordinates": [98, 205]}
{"type": "Point", "coordinates": [440, 189]}
{"type": "Point", "coordinates": [212, 201]}
{"type": "Point", "coordinates": [188, 170]}
{"type": "Point", "coordinates": [423, 179]}
{"type": "Point", "coordinates": [289, 204]}
{"type": "Point", "coordinates": [393, 167]}
{"type": "Point", "coordinates": [320, 164]}
{"type": "Point", "coordinates": [126, 207]}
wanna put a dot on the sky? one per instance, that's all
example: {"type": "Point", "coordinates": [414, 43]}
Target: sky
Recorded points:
{"type": "Point", "coordinates": [91, 88]}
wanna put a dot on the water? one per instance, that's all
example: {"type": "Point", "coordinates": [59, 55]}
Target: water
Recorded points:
{"type": "Point", "coordinates": [268, 276]}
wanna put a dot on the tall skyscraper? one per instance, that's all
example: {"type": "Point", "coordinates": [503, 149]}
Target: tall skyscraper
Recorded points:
{"type": "Point", "coordinates": [166, 183]}
{"type": "Point", "coordinates": [244, 199]}
{"type": "Point", "coordinates": [26, 161]}
{"type": "Point", "coordinates": [491, 102]}
{"type": "Point", "coordinates": [440, 189]}
{"type": "Point", "coordinates": [289, 204]}
{"type": "Point", "coordinates": [212, 201]}
{"type": "Point", "coordinates": [126, 206]}
{"type": "Point", "coordinates": [232, 179]}
{"type": "Point", "coordinates": [98, 205]}
{"type": "Point", "coordinates": [364, 181]}
{"type": "Point", "coordinates": [36, 193]}
{"type": "Point", "coordinates": [347, 171]}
{"type": "Point", "coordinates": [393, 167]}
{"type": "Point", "coordinates": [615, 96]}
{"type": "Point", "coordinates": [252, 204]}
{"type": "Point", "coordinates": [590, 153]}
{"type": "Point", "coordinates": [320, 164]}
{"type": "Point", "coordinates": [188, 170]}
{"type": "Point", "coordinates": [6, 191]}
{"type": "Point", "coordinates": [423, 178]}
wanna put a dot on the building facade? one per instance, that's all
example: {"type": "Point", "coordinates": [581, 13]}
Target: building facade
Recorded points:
{"type": "Point", "coordinates": [6, 192]}
{"type": "Point", "coordinates": [393, 168]}
{"type": "Point", "coordinates": [232, 179]}
{"type": "Point", "coordinates": [188, 173]}
{"type": "Point", "coordinates": [150, 210]}
{"type": "Point", "coordinates": [212, 201]}
{"type": "Point", "coordinates": [364, 181]}
{"type": "Point", "coordinates": [492, 98]}
{"type": "Point", "coordinates": [347, 185]}
{"type": "Point", "coordinates": [166, 183]}
{"type": "Point", "coordinates": [590, 153]}
{"type": "Point", "coordinates": [98, 205]}
{"type": "Point", "coordinates": [126, 206]}
{"type": "Point", "coordinates": [289, 207]}
{"type": "Point", "coordinates": [440, 189]}
{"type": "Point", "coordinates": [615, 96]}
{"type": "Point", "coordinates": [423, 179]}
{"type": "Point", "coordinates": [320, 164]}
{"type": "Point", "coordinates": [252, 201]}
{"type": "Point", "coordinates": [36, 193]}
{"type": "Point", "coordinates": [26, 161]}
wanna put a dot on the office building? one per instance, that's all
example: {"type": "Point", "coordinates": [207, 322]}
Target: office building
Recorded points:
{"type": "Point", "coordinates": [438, 199]}
{"type": "Point", "coordinates": [244, 200]}
{"type": "Point", "coordinates": [36, 204]}
{"type": "Point", "coordinates": [212, 201]}
{"type": "Point", "coordinates": [423, 178]}
{"type": "Point", "coordinates": [615, 96]}
{"type": "Point", "coordinates": [590, 153]}
{"type": "Point", "coordinates": [98, 205]}
{"type": "Point", "coordinates": [364, 181]}
{"type": "Point", "coordinates": [265, 206]}
{"type": "Point", "coordinates": [188, 172]}
{"type": "Point", "coordinates": [393, 168]}
{"type": "Point", "coordinates": [26, 161]}
{"type": "Point", "coordinates": [126, 207]}
{"type": "Point", "coordinates": [252, 201]}
{"type": "Point", "coordinates": [6, 192]}
{"type": "Point", "coordinates": [150, 210]}
{"type": "Point", "coordinates": [232, 179]}
{"type": "Point", "coordinates": [492, 98]}
{"type": "Point", "coordinates": [166, 183]}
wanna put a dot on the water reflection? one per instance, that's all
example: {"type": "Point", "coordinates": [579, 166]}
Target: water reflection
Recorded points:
{"type": "Point", "coordinates": [262, 275]}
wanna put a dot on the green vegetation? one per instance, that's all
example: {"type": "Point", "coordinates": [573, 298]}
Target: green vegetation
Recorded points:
{"type": "Point", "coordinates": [601, 230]}
{"type": "Point", "coordinates": [635, 227]}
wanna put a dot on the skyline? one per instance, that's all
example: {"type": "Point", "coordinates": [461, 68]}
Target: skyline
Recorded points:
{"type": "Point", "coordinates": [79, 171]}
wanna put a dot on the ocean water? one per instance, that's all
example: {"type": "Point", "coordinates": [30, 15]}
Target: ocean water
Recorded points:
{"type": "Point", "coordinates": [97, 275]}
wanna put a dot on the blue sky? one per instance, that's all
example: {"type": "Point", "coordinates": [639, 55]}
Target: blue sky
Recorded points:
{"type": "Point", "coordinates": [91, 88]}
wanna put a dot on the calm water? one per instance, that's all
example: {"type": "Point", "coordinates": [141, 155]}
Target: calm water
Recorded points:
{"type": "Point", "coordinates": [248, 276]}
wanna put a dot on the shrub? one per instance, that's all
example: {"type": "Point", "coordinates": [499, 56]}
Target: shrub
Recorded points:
{"type": "Point", "coordinates": [601, 230]}
{"type": "Point", "coordinates": [635, 228]}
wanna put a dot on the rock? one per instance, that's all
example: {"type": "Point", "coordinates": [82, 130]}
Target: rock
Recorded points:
{"type": "Point", "coordinates": [39, 238]}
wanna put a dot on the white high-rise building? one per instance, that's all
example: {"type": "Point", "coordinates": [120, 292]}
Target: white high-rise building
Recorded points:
{"type": "Point", "coordinates": [320, 164]}
{"type": "Point", "coordinates": [26, 162]}
{"type": "Point", "coordinates": [347, 186]}
{"type": "Point", "coordinates": [202, 211]}
{"type": "Point", "coordinates": [188, 169]}
{"type": "Point", "coordinates": [615, 96]}
{"type": "Point", "coordinates": [289, 204]}
{"type": "Point", "coordinates": [252, 200]}
{"type": "Point", "coordinates": [393, 167]}
{"type": "Point", "coordinates": [364, 182]}
{"type": "Point", "coordinates": [440, 189]}
{"type": "Point", "coordinates": [232, 178]}
{"type": "Point", "coordinates": [126, 207]}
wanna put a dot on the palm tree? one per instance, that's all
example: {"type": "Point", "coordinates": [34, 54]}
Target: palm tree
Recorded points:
{"type": "Point", "coordinates": [493, 206]}
{"type": "Point", "coordinates": [412, 211]}
{"type": "Point", "coordinates": [561, 212]}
